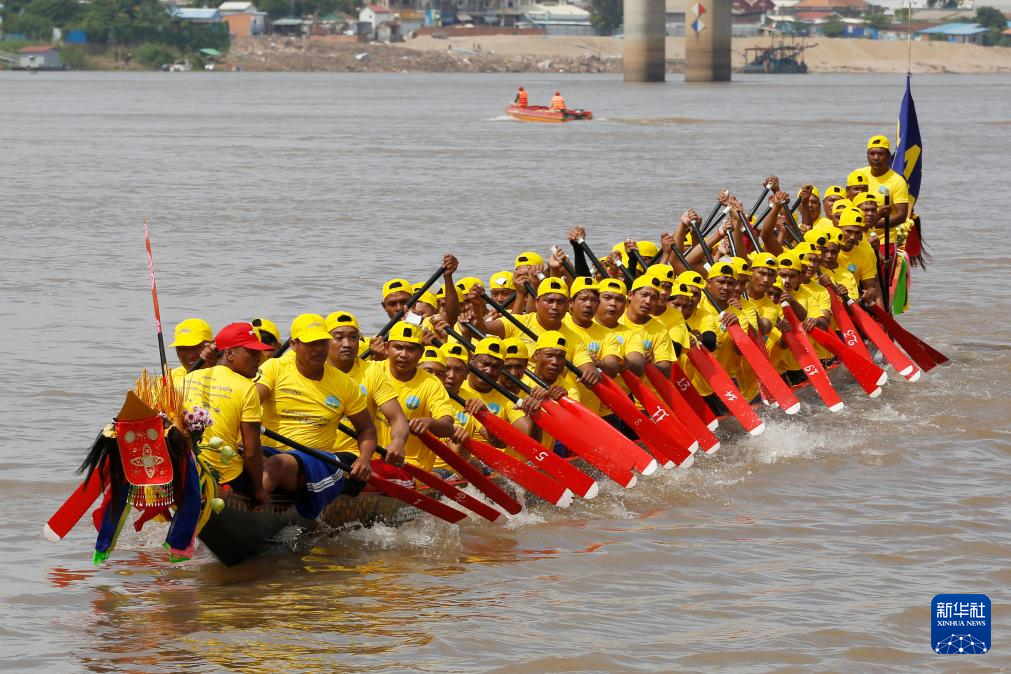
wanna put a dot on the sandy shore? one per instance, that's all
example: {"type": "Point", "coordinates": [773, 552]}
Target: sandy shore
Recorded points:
{"type": "Point", "coordinates": [507, 53]}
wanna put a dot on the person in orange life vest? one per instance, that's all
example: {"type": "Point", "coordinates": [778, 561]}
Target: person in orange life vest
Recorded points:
{"type": "Point", "coordinates": [521, 98]}
{"type": "Point", "coordinates": [557, 102]}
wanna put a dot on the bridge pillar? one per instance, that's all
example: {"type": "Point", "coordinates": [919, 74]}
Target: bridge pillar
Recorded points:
{"type": "Point", "coordinates": [645, 52]}
{"type": "Point", "coordinates": [707, 40]}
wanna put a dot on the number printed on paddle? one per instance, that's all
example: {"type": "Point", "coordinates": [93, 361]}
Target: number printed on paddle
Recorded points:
{"type": "Point", "coordinates": [960, 624]}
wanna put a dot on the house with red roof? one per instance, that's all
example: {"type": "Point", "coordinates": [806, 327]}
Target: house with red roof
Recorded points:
{"type": "Point", "coordinates": [42, 57]}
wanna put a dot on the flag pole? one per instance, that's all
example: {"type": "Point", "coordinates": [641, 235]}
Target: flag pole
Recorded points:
{"type": "Point", "coordinates": [909, 39]}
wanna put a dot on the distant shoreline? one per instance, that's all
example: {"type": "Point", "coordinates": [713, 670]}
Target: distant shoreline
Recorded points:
{"type": "Point", "coordinates": [568, 54]}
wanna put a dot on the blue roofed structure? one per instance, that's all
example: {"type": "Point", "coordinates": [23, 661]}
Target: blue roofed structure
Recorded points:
{"type": "Point", "coordinates": [963, 33]}
{"type": "Point", "coordinates": [196, 14]}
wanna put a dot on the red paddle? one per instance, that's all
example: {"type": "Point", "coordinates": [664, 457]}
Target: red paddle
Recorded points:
{"type": "Point", "coordinates": [800, 345]}
{"type": "Point", "coordinates": [653, 433]}
{"type": "Point", "coordinates": [926, 356]}
{"type": "Point", "coordinates": [683, 411]}
{"type": "Point", "coordinates": [525, 476]}
{"type": "Point", "coordinates": [870, 377]}
{"type": "Point", "coordinates": [470, 473]}
{"type": "Point", "coordinates": [845, 322]}
{"type": "Point", "coordinates": [725, 389]}
{"type": "Point", "coordinates": [683, 385]}
{"type": "Point", "coordinates": [454, 493]}
{"type": "Point", "coordinates": [877, 335]}
{"type": "Point", "coordinates": [758, 359]}
{"type": "Point", "coordinates": [640, 458]}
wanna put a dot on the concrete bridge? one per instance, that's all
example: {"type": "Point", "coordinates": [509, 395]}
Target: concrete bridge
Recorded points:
{"type": "Point", "coordinates": [707, 40]}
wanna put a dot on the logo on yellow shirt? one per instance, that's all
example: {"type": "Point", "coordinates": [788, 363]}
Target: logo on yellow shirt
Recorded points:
{"type": "Point", "coordinates": [333, 402]}
{"type": "Point", "coordinates": [363, 389]}
{"type": "Point", "coordinates": [495, 408]}
{"type": "Point", "coordinates": [413, 402]}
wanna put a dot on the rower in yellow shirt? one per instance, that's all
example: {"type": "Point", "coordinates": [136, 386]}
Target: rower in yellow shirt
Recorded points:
{"type": "Point", "coordinates": [791, 267]}
{"type": "Point", "coordinates": [370, 377]}
{"type": "Point", "coordinates": [227, 392]}
{"type": "Point", "coordinates": [551, 307]}
{"type": "Point", "coordinates": [488, 359]}
{"type": "Point", "coordinates": [422, 397]}
{"type": "Point", "coordinates": [601, 344]}
{"type": "Point", "coordinates": [857, 256]}
{"type": "Point", "coordinates": [434, 363]}
{"type": "Point", "coordinates": [879, 173]}
{"type": "Point", "coordinates": [653, 336]}
{"type": "Point", "coordinates": [304, 398]}
{"type": "Point", "coordinates": [192, 342]}
{"type": "Point", "coordinates": [548, 362]}
{"type": "Point", "coordinates": [703, 327]}
{"type": "Point", "coordinates": [831, 271]}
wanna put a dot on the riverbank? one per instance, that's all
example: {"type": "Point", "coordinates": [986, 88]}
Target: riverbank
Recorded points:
{"type": "Point", "coordinates": [569, 54]}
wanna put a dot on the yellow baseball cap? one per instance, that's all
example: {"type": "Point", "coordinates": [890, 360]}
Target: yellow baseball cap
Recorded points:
{"type": "Point", "coordinates": [681, 289]}
{"type": "Point", "coordinates": [441, 295]}
{"type": "Point", "coordinates": [879, 141]}
{"type": "Point", "coordinates": [646, 281]}
{"type": "Point", "coordinates": [466, 283]}
{"type": "Point", "coordinates": [552, 339]}
{"type": "Point", "coordinates": [581, 283]}
{"type": "Point", "coordinates": [741, 267]}
{"type": "Point", "coordinates": [855, 179]}
{"type": "Point", "coordinates": [832, 235]}
{"type": "Point", "coordinates": [266, 325]}
{"type": "Point", "coordinates": [405, 332]}
{"type": "Point", "coordinates": [503, 279]}
{"type": "Point", "coordinates": [432, 354]}
{"type": "Point", "coordinates": [790, 260]}
{"type": "Point", "coordinates": [514, 347]}
{"type": "Point", "coordinates": [552, 285]}
{"type": "Point", "coordinates": [191, 332]}
{"type": "Point", "coordinates": [815, 237]}
{"type": "Point", "coordinates": [867, 196]}
{"type": "Point", "coordinates": [612, 285]}
{"type": "Point", "coordinates": [528, 258]}
{"type": "Point", "coordinates": [841, 205]}
{"type": "Point", "coordinates": [722, 269]}
{"type": "Point", "coordinates": [663, 272]}
{"type": "Point", "coordinates": [692, 278]}
{"type": "Point", "coordinates": [396, 285]}
{"type": "Point", "coordinates": [341, 319]}
{"type": "Point", "coordinates": [647, 249]}
{"type": "Point", "coordinates": [309, 328]}
{"type": "Point", "coordinates": [760, 259]}
{"type": "Point", "coordinates": [489, 346]}
{"type": "Point", "coordinates": [803, 250]}
{"type": "Point", "coordinates": [455, 351]}
{"type": "Point", "coordinates": [834, 191]}
{"type": "Point", "coordinates": [427, 297]}
{"type": "Point", "coordinates": [814, 191]}
{"type": "Point", "coordinates": [851, 217]}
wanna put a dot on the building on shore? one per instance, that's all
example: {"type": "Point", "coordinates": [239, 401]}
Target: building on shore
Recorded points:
{"type": "Point", "coordinates": [243, 18]}
{"type": "Point", "coordinates": [962, 33]}
{"type": "Point", "coordinates": [560, 18]}
{"type": "Point", "coordinates": [39, 58]}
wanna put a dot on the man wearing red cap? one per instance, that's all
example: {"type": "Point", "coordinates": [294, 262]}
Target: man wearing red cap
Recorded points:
{"type": "Point", "coordinates": [231, 445]}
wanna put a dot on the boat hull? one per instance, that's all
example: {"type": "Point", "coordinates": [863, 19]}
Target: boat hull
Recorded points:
{"type": "Point", "coordinates": [540, 113]}
{"type": "Point", "coordinates": [241, 532]}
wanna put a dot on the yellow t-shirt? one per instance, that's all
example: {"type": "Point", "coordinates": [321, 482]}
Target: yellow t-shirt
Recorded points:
{"type": "Point", "coordinates": [231, 399]}
{"type": "Point", "coordinates": [569, 382]}
{"type": "Point", "coordinates": [898, 190]}
{"type": "Point", "coordinates": [579, 355]}
{"type": "Point", "coordinates": [422, 396]}
{"type": "Point", "coordinates": [819, 306]}
{"type": "Point", "coordinates": [655, 338]}
{"type": "Point", "coordinates": [178, 374]}
{"type": "Point", "coordinates": [600, 343]}
{"type": "Point", "coordinates": [841, 276]}
{"type": "Point", "coordinates": [861, 261]}
{"type": "Point", "coordinates": [372, 382]}
{"type": "Point", "coordinates": [304, 409]}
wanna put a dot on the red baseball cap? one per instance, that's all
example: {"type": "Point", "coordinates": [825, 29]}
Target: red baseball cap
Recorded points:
{"type": "Point", "coordinates": [239, 334]}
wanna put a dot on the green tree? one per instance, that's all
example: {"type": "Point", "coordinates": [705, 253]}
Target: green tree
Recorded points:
{"type": "Point", "coordinates": [35, 27]}
{"type": "Point", "coordinates": [902, 15]}
{"type": "Point", "coordinates": [833, 27]}
{"type": "Point", "coordinates": [877, 20]}
{"type": "Point", "coordinates": [60, 12]}
{"type": "Point", "coordinates": [994, 21]}
{"type": "Point", "coordinates": [606, 15]}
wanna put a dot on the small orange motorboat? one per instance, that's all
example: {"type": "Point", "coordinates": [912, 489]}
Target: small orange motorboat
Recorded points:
{"type": "Point", "coordinates": [542, 113]}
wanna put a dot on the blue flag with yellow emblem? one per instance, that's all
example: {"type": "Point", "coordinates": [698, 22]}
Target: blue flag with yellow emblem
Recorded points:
{"type": "Point", "coordinates": [908, 158]}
